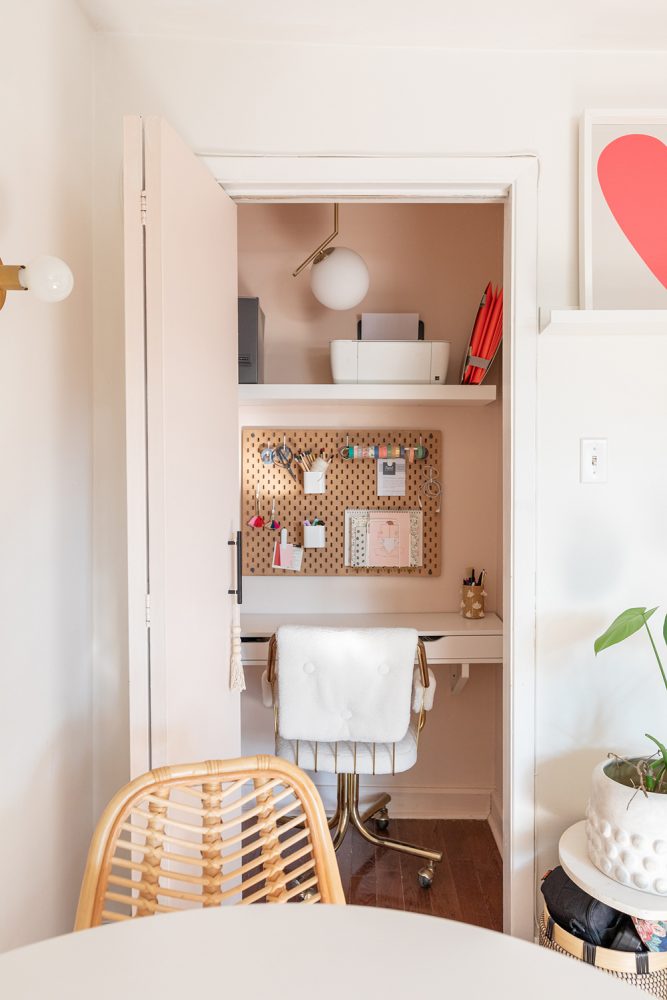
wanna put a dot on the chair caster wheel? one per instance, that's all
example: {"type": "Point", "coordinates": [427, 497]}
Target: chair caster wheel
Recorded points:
{"type": "Point", "coordinates": [382, 820]}
{"type": "Point", "coordinates": [426, 875]}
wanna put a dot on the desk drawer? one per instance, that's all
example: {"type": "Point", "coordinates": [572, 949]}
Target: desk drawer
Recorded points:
{"type": "Point", "coordinates": [465, 648]}
{"type": "Point", "coordinates": [454, 648]}
{"type": "Point", "coordinates": [255, 651]}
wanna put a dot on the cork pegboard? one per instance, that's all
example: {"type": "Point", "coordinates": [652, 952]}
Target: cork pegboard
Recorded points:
{"type": "Point", "coordinates": [350, 484]}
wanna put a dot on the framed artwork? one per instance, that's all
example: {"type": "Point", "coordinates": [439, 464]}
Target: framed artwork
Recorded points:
{"type": "Point", "coordinates": [623, 210]}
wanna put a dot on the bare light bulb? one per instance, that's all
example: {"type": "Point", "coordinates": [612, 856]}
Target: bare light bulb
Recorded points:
{"type": "Point", "coordinates": [48, 278]}
{"type": "Point", "coordinates": [339, 278]}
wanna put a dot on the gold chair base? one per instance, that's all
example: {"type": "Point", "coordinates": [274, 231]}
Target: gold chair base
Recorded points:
{"type": "Point", "coordinates": [347, 811]}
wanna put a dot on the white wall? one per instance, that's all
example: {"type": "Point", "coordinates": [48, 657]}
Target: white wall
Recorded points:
{"type": "Point", "coordinates": [46, 494]}
{"type": "Point", "coordinates": [318, 98]}
{"type": "Point", "coordinates": [603, 548]}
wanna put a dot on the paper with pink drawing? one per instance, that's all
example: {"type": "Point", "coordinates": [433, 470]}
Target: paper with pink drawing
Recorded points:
{"type": "Point", "coordinates": [383, 539]}
{"type": "Point", "coordinates": [388, 539]}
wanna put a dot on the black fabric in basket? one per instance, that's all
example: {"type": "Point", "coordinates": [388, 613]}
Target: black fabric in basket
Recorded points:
{"type": "Point", "coordinates": [587, 918]}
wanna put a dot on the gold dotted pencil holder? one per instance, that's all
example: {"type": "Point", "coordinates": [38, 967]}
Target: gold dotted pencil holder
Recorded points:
{"type": "Point", "coordinates": [472, 601]}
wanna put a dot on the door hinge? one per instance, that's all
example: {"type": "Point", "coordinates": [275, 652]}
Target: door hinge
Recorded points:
{"type": "Point", "coordinates": [148, 610]}
{"type": "Point", "coordinates": [143, 208]}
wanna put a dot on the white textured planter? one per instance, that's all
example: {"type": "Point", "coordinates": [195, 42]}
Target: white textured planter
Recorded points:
{"type": "Point", "coordinates": [627, 833]}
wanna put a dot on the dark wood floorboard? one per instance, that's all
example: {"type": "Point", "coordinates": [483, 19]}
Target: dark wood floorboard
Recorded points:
{"type": "Point", "coordinates": [468, 881]}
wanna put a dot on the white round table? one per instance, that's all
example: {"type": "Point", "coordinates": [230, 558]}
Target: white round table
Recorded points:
{"type": "Point", "coordinates": [573, 855]}
{"type": "Point", "coordinates": [293, 953]}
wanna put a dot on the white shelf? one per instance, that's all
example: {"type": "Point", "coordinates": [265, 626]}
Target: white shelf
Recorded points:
{"type": "Point", "coordinates": [601, 322]}
{"type": "Point", "coordinates": [364, 395]}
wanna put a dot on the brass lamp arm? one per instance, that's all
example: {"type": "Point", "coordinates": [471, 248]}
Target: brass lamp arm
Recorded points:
{"type": "Point", "coordinates": [320, 249]}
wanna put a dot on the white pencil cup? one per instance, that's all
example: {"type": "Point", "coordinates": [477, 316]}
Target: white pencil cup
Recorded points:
{"type": "Point", "coordinates": [314, 482]}
{"type": "Point", "coordinates": [314, 536]}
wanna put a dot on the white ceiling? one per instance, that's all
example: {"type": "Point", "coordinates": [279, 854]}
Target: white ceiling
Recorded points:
{"type": "Point", "coordinates": [504, 24]}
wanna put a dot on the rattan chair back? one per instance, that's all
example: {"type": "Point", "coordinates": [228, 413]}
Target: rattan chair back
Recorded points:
{"type": "Point", "coordinates": [251, 830]}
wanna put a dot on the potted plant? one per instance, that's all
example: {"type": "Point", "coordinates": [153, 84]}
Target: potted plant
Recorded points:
{"type": "Point", "coordinates": [626, 817]}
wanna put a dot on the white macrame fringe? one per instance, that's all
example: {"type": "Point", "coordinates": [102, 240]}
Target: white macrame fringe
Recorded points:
{"type": "Point", "coordinates": [423, 697]}
{"type": "Point", "coordinates": [236, 675]}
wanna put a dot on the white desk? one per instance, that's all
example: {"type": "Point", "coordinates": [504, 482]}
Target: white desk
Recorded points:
{"type": "Point", "coordinates": [451, 640]}
{"type": "Point", "coordinates": [298, 952]}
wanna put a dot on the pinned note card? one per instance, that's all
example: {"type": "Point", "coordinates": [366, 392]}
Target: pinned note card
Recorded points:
{"type": "Point", "coordinates": [286, 555]}
{"type": "Point", "coordinates": [391, 477]}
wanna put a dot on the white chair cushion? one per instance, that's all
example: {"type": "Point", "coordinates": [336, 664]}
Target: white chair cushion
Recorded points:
{"type": "Point", "coordinates": [345, 683]}
{"type": "Point", "coordinates": [344, 761]}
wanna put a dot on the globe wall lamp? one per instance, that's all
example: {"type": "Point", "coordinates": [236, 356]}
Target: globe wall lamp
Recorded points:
{"type": "Point", "coordinates": [339, 276]}
{"type": "Point", "coordinates": [48, 278]}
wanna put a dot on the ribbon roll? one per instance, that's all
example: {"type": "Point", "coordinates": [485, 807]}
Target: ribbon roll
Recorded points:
{"type": "Point", "coordinates": [412, 453]}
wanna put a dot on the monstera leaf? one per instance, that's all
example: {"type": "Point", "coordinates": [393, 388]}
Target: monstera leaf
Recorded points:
{"type": "Point", "coordinates": [621, 628]}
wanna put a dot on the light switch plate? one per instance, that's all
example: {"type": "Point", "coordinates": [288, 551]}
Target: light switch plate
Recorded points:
{"type": "Point", "coordinates": [593, 465]}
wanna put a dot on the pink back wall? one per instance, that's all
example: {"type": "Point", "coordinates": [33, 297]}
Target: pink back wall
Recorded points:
{"type": "Point", "coordinates": [432, 259]}
{"type": "Point", "coordinates": [435, 260]}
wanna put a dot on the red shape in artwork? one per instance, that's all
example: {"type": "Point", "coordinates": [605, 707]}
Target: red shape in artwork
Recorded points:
{"type": "Point", "coordinates": [632, 171]}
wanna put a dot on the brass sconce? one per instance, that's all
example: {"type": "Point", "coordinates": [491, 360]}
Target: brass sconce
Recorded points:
{"type": "Point", "coordinates": [48, 278]}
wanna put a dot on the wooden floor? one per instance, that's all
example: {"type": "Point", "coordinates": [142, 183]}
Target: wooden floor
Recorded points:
{"type": "Point", "coordinates": [467, 884]}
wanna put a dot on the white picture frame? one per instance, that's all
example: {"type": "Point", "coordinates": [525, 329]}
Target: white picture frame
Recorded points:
{"type": "Point", "coordinates": [605, 252]}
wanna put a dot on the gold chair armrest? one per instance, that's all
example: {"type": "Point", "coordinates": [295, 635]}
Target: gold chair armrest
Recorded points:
{"type": "Point", "coordinates": [423, 671]}
{"type": "Point", "coordinates": [271, 669]}
{"type": "Point", "coordinates": [423, 662]}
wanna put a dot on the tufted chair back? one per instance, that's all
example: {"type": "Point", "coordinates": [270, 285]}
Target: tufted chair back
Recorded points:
{"type": "Point", "coordinates": [345, 683]}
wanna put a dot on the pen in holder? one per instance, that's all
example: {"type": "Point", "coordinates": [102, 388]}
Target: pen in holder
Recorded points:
{"type": "Point", "coordinates": [472, 601]}
{"type": "Point", "coordinates": [314, 536]}
{"type": "Point", "coordinates": [472, 595]}
{"type": "Point", "coordinates": [314, 471]}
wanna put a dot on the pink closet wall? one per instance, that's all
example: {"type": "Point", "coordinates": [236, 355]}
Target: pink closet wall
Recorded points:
{"type": "Point", "coordinates": [430, 259]}
{"type": "Point", "coordinates": [434, 260]}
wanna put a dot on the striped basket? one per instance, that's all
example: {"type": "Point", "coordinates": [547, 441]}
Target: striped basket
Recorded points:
{"type": "Point", "coordinates": [648, 970]}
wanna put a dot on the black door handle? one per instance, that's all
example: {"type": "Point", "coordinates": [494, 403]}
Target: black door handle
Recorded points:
{"type": "Point", "coordinates": [239, 567]}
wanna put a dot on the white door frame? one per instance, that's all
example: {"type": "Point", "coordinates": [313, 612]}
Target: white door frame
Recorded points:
{"type": "Point", "coordinates": [512, 179]}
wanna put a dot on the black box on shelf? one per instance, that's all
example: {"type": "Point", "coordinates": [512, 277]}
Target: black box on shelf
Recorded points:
{"type": "Point", "coordinates": [251, 342]}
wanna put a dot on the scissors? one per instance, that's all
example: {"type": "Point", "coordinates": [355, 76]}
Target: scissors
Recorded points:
{"type": "Point", "coordinates": [282, 456]}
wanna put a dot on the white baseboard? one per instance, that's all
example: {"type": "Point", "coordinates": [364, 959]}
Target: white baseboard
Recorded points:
{"type": "Point", "coordinates": [496, 822]}
{"type": "Point", "coordinates": [420, 803]}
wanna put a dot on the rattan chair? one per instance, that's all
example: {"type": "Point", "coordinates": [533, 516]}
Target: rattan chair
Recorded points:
{"type": "Point", "coordinates": [251, 830]}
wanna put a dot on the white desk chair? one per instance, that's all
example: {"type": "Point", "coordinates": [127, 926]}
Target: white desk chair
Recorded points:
{"type": "Point", "coordinates": [343, 702]}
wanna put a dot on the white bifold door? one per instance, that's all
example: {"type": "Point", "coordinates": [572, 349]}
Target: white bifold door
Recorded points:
{"type": "Point", "coordinates": [182, 450]}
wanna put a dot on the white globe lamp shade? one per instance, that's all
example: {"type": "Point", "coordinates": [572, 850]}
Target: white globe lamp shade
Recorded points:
{"type": "Point", "coordinates": [339, 279]}
{"type": "Point", "coordinates": [48, 278]}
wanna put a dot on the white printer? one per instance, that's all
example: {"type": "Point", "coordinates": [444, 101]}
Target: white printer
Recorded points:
{"type": "Point", "coordinates": [405, 362]}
